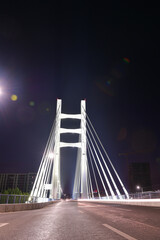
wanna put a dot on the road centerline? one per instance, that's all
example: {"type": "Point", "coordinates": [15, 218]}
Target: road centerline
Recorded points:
{"type": "Point", "coordinates": [119, 232]}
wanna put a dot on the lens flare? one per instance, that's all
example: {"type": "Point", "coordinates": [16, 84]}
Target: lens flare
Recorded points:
{"type": "Point", "coordinates": [14, 97]}
{"type": "Point", "coordinates": [32, 103]}
{"type": "Point", "coordinates": [126, 60]}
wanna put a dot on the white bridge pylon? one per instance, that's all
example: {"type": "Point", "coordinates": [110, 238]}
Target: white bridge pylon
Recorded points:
{"type": "Point", "coordinates": [95, 175]}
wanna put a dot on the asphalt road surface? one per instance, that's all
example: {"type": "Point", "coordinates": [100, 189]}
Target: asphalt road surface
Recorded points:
{"type": "Point", "coordinates": [69, 220]}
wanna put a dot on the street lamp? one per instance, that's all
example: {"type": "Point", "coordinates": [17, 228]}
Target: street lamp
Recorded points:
{"type": "Point", "coordinates": [139, 188]}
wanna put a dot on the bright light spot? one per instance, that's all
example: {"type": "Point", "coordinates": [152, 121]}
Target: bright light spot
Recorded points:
{"type": "Point", "coordinates": [31, 103]}
{"type": "Point", "coordinates": [51, 155]}
{"type": "Point", "coordinates": [0, 91]}
{"type": "Point", "coordinates": [138, 187]}
{"type": "Point", "coordinates": [14, 97]}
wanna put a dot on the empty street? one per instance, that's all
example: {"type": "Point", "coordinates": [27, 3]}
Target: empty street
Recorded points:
{"type": "Point", "coordinates": [80, 220]}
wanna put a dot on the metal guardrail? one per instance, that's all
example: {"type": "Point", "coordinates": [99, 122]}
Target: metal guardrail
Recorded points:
{"type": "Point", "coordinates": [12, 198]}
{"type": "Point", "coordinates": [145, 195]}
{"type": "Point", "coordinates": [137, 195]}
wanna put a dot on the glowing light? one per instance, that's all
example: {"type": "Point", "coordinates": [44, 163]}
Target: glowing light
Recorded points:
{"type": "Point", "coordinates": [14, 97]}
{"type": "Point", "coordinates": [32, 103]}
{"type": "Point", "coordinates": [0, 91]}
{"type": "Point", "coordinates": [51, 155]}
{"type": "Point", "coordinates": [126, 60]}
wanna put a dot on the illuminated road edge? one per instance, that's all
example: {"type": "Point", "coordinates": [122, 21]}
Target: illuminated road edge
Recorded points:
{"type": "Point", "coordinates": [137, 202]}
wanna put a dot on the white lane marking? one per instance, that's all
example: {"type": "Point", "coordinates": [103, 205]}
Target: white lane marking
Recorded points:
{"type": "Point", "coordinates": [98, 205]}
{"type": "Point", "coordinates": [87, 206]}
{"type": "Point", "coordinates": [119, 232]}
{"type": "Point", "coordinates": [95, 205]}
{"type": "Point", "coordinates": [123, 209]}
{"type": "Point", "coordinates": [3, 224]}
{"type": "Point", "coordinates": [58, 203]}
{"type": "Point", "coordinates": [145, 224]}
{"type": "Point", "coordinates": [80, 211]}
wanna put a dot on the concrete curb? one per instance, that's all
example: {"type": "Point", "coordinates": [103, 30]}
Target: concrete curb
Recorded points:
{"type": "Point", "coordinates": [133, 202]}
{"type": "Point", "coordinates": [23, 206]}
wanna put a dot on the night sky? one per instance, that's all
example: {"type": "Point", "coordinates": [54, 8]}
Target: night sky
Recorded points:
{"type": "Point", "coordinates": [108, 55]}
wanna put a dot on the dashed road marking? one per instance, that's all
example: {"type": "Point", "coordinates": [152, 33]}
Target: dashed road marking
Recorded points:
{"type": "Point", "coordinates": [144, 224]}
{"type": "Point", "coordinates": [87, 206]}
{"type": "Point", "coordinates": [3, 224]}
{"type": "Point", "coordinates": [119, 232]}
{"type": "Point", "coordinates": [80, 211]}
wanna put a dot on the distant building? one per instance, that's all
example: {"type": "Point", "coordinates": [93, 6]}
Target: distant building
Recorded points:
{"type": "Point", "coordinates": [140, 175]}
{"type": "Point", "coordinates": [24, 181]}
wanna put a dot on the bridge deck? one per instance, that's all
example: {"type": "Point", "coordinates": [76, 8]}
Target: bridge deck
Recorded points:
{"type": "Point", "coordinates": [73, 220]}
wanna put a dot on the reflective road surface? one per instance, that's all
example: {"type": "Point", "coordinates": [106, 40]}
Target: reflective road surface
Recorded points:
{"type": "Point", "coordinates": [69, 220]}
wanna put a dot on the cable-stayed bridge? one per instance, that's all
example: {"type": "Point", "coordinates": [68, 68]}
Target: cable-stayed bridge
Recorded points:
{"type": "Point", "coordinates": [95, 175]}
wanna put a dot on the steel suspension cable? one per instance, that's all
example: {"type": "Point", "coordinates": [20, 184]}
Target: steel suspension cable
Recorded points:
{"type": "Point", "coordinates": [38, 176]}
{"type": "Point", "coordinates": [98, 170]}
{"type": "Point", "coordinates": [91, 187]}
{"type": "Point", "coordinates": [124, 189]}
{"type": "Point", "coordinates": [36, 182]}
{"type": "Point", "coordinates": [45, 164]}
{"type": "Point", "coordinates": [89, 154]}
{"type": "Point", "coordinates": [112, 193]}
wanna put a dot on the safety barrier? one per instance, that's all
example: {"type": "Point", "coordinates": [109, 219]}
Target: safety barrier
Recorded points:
{"type": "Point", "coordinates": [13, 198]}
{"type": "Point", "coordinates": [135, 202]}
{"type": "Point", "coordinates": [23, 206]}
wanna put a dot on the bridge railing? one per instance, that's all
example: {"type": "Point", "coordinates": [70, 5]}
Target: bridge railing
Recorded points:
{"type": "Point", "coordinates": [145, 195]}
{"type": "Point", "coordinates": [137, 195]}
{"type": "Point", "coordinates": [12, 198]}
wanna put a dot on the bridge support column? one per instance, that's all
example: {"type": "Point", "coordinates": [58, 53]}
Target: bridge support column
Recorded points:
{"type": "Point", "coordinates": [56, 181]}
{"type": "Point", "coordinates": [84, 183]}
